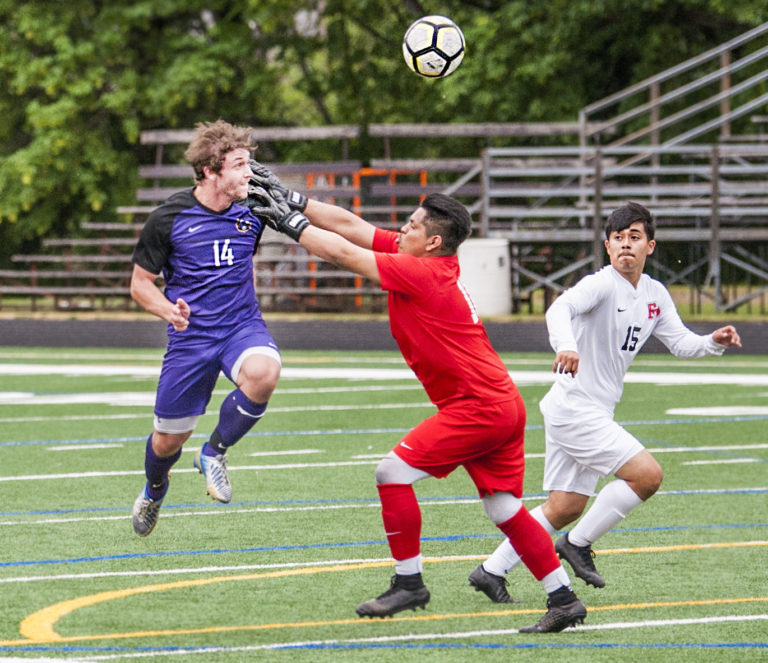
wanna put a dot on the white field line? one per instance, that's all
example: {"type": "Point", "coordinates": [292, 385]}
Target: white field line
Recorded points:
{"type": "Point", "coordinates": [329, 358]}
{"type": "Point", "coordinates": [714, 447]}
{"type": "Point", "coordinates": [81, 447]}
{"type": "Point", "coordinates": [720, 411]}
{"type": "Point", "coordinates": [366, 460]}
{"type": "Point", "coordinates": [724, 461]}
{"type": "Point", "coordinates": [147, 398]}
{"type": "Point", "coordinates": [235, 511]}
{"type": "Point", "coordinates": [271, 411]}
{"type": "Point", "coordinates": [372, 373]}
{"type": "Point", "coordinates": [231, 511]}
{"type": "Point", "coordinates": [732, 411]}
{"type": "Point", "coordinates": [239, 568]}
{"type": "Point", "coordinates": [181, 470]}
{"type": "Point", "coordinates": [438, 637]}
{"type": "Point", "coordinates": [209, 569]}
{"type": "Point", "coordinates": [297, 466]}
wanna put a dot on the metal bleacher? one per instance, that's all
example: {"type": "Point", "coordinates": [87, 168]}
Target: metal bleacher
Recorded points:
{"type": "Point", "coordinates": [689, 143]}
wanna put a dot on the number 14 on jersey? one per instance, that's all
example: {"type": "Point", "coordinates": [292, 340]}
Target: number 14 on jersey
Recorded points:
{"type": "Point", "coordinates": [223, 256]}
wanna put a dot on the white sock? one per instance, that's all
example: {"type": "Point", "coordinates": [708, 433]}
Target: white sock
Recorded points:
{"type": "Point", "coordinates": [408, 567]}
{"type": "Point", "coordinates": [504, 558]}
{"type": "Point", "coordinates": [610, 507]}
{"type": "Point", "coordinates": [555, 580]}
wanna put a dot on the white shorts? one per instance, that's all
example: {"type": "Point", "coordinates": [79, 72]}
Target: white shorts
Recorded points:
{"type": "Point", "coordinates": [578, 454]}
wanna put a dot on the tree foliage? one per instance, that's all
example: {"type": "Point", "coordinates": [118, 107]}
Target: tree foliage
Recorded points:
{"type": "Point", "coordinates": [79, 80]}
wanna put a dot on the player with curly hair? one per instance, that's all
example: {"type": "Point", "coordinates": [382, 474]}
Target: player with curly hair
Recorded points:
{"type": "Point", "coordinates": [202, 240]}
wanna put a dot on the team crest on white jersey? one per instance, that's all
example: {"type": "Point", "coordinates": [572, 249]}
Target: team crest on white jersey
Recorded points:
{"type": "Point", "coordinates": [653, 310]}
{"type": "Point", "coordinates": [243, 225]}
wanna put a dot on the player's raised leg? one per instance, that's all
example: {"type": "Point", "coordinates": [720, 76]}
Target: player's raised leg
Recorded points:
{"type": "Point", "coordinates": [257, 370]}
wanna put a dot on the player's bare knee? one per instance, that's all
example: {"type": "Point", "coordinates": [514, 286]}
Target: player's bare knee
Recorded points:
{"type": "Point", "coordinates": [652, 481]}
{"type": "Point", "coordinates": [563, 508]}
{"type": "Point", "coordinates": [568, 515]}
{"type": "Point", "coordinates": [259, 383]}
{"type": "Point", "coordinates": [167, 444]}
{"type": "Point", "coordinates": [564, 514]}
{"type": "Point", "coordinates": [647, 481]}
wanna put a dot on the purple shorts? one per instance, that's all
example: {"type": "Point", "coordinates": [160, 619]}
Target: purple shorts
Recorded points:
{"type": "Point", "coordinates": [191, 367]}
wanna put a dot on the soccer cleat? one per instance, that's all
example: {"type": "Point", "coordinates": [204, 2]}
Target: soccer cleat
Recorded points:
{"type": "Point", "coordinates": [214, 469]}
{"type": "Point", "coordinates": [580, 558]}
{"type": "Point", "coordinates": [559, 617]}
{"type": "Point", "coordinates": [145, 513]}
{"type": "Point", "coordinates": [394, 600]}
{"type": "Point", "coordinates": [493, 586]}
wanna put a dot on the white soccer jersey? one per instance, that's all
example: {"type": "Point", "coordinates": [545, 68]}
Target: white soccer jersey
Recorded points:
{"type": "Point", "coordinates": [606, 320]}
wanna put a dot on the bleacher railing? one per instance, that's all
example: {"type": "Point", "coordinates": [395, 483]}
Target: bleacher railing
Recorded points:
{"type": "Point", "coordinates": [711, 200]}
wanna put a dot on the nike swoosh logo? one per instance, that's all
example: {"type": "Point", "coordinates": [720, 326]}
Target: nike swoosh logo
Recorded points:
{"type": "Point", "coordinates": [192, 229]}
{"type": "Point", "coordinates": [403, 444]}
{"type": "Point", "coordinates": [248, 414]}
{"type": "Point", "coordinates": [621, 310]}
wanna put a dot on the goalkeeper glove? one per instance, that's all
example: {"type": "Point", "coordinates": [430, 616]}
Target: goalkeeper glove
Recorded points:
{"type": "Point", "coordinates": [265, 206]}
{"type": "Point", "coordinates": [292, 224]}
{"type": "Point", "coordinates": [265, 178]}
{"type": "Point", "coordinates": [275, 213]}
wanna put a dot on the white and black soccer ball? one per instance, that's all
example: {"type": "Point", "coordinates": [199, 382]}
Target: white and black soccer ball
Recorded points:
{"type": "Point", "coordinates": [433, 46]}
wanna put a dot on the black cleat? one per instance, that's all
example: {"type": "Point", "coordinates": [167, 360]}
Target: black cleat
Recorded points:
{"type": "Point", "coordinates": [580, 558]}
{"type": "Point", "coordinates": [395, 599]}
{"type": "Point", "coordinates": [559, 617]}
{"type": "Point", "coordinates": [493, 586]}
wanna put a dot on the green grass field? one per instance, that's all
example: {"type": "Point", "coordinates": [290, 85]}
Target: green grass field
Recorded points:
{"type": "Point", "coordinates": [276, 574]}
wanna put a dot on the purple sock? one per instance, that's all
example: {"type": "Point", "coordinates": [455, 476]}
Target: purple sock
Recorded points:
{"type": "Point", "coordinates": [238, 414]}
{"type": "Point", "coordinates": [157, 469]}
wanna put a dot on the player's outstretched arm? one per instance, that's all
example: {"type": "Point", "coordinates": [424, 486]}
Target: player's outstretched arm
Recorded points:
{"type": "Point", "coordinates": [327, 245]}
{"type": "Point", "coordinates": [337, 250]}
{"type": "Point", "coordinates": [340, 221]}
{"type": "Point", "coordinates": [727, 336]}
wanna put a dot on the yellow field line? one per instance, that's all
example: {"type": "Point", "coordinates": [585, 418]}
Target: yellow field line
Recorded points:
{"type": "Point", "coordinates": [39, 628]}
{"type": "Point", "coordinates": [685, 546]}
{"type": "Point", "coordinates": [346, 622]}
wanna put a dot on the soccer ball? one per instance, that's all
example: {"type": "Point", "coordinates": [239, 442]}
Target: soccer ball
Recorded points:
{"type": "Point", "coordinates": [433, 46]}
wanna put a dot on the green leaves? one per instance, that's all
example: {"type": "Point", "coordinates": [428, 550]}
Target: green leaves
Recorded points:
{"type": "Point", "coordinates": [80, 79]}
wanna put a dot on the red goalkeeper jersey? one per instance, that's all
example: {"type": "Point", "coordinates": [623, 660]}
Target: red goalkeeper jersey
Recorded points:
{"type": "Point", "coordinates": [436, 326]}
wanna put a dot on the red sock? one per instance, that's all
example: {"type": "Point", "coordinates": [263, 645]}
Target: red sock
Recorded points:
{"type": "Point", "coordinates": [531, 541]}
{"type": "Point", "coordinates": [402, 519]}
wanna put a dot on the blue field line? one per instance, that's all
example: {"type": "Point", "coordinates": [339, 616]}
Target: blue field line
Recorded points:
{"type": "Point", "coordinates": [377, 431]}
{"type": "Point", "coordinates": [371, 500]}
{"type": "Point", "coordinates": [383, 646]}
{"type": "Point", "coordinates": [349, 544]}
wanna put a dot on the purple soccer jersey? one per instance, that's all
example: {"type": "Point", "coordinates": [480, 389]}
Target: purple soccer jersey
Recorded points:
{"type": "Point", "coordinates": [206, 258]}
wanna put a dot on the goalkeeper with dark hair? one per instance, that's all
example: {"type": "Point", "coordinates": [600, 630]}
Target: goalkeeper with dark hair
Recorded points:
{"type": "Point", "coordinates": [480, 416]}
